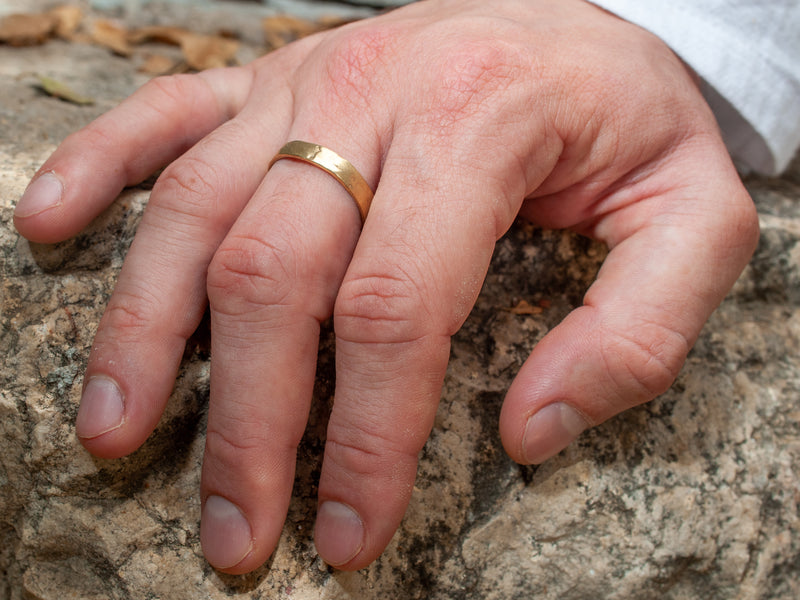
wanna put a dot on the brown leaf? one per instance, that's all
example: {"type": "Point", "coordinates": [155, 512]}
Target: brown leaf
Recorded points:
{"type": "Point", "coordinates": [68, 19]}
{"type": "Point", "coordinates": [26, 29]}
{"type": "Point", "coordinates": [60, 90]}
{"type": "Point", "coordinates": [200, 51]}
{"type": "Point", "coordinates": [331, 21]}
{"type": "Point", "coordinates": [208, 51]}
{"type": "Point", "coordinates": [110, 35]}
{"type": "Point", "coordinates": [159, 33]}
{"type": "Point", "coordinates": [157, 64]}
{"type": "Point", "coordinates": [524, 308]}
{"type": "Point", "coordinates": [280, 30]}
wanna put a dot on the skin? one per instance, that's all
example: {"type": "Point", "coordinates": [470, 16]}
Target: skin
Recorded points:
{"type": "Point", "coordinates": [461, 115]}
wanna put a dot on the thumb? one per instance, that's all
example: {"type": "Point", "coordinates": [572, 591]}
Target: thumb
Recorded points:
{"type": "Point", "coordinates": [672, 260]}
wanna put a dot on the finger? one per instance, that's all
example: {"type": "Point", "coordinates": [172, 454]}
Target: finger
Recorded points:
{"type": "Point", "coordinates": [417, 269]}
{"type": "Point", "coordinates": [124, 146]}
{"type": "Point", "coordinates": [453, 180]}
{"type": "Point", "coordinates": [160, 294]}
{"type": "Point", "coordinates": [664, 276]}
{"type": "Point", "coordinates": [271, 283]}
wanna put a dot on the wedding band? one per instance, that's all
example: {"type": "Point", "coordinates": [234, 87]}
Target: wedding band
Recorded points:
{"type": "Point", "coordinates": [327, 160]}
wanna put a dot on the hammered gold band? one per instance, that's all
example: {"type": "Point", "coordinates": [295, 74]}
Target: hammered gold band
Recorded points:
{"type": "Point", "coordinates": [327, 160]}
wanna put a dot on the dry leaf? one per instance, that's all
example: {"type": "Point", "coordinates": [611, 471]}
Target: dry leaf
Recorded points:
{"type": "Point", "coordinates": [523, 308]}
{"type": "Point", "coordinates": [282, 29]}
{"type": "Point", "coordinates": [159, 33]}
{"type": "Point", "coordinates": [68, 19]}
{"type": "Point", "coordinates": [157, 64]}
{"type": "Point", "coordinates": [331, 21]}
{"type": "Point", "coordinates": [26, 30]}
{"type": "Point", "coordinates": [208, 51]}
{"type": "Point", "coordinates": [112, 36]}
{"type": "Point", "coordinates": [200, 51]}
{"type": "Point", "coordinates": [60, 90]}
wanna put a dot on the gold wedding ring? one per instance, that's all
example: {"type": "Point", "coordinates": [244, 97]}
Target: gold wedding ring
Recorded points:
{"type": "Point", "coordinates": [327, 160]}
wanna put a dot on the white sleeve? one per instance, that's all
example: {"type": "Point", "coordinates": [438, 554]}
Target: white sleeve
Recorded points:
{"type": "Point", "coordinates": [747, 53]}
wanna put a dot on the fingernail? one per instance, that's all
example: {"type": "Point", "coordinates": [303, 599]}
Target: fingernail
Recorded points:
{"type": "Point", "coordinates": [102, 408]}
{"type": "Point", "coordinates": [339, 533]}
{"type": "Point", "coordinates": [550, 430]}
{"type": "Point", "coordinates": [42, 194]}
{"type": "Point", "coordinates": [225, 534]}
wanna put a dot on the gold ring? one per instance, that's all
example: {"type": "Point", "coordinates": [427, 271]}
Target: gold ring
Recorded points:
{"type": "Point", "coordinates": [329, 161]}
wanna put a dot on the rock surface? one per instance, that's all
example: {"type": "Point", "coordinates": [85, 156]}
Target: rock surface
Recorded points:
{"type": "Point", "coordinates": [692, 496]}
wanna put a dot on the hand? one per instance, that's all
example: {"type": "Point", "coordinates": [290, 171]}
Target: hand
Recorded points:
{"type": "Point", "coordinates": [461, 115]}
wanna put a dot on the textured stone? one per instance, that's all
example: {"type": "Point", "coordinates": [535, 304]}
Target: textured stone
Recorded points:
{"type": "Point", "coordinates": [692, 496]}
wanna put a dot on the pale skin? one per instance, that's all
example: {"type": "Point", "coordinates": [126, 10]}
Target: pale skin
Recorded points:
{"type": "Point", "coordinates": [461, 115]}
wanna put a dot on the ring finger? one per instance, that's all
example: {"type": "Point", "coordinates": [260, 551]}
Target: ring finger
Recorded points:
{"type": "Point", "coordinates": [271, 283]}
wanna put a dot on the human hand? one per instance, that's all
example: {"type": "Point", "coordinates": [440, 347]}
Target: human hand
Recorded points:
{"type": "Point", "coordinates": [460, 115]}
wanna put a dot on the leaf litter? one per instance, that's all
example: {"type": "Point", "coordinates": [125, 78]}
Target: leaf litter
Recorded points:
{"type": "Point", "coordinates": [198, 51]}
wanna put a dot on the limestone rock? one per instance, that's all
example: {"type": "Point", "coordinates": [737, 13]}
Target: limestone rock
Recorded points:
{"type": "Point", "coordinates": [692, 496]}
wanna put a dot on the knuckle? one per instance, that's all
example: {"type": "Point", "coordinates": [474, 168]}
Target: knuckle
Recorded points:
{"type": "Point", "coordinates": [366, 453]}
{"type": "Point", "coordinates": [229, 437]}
{"type": "Point", "coordinates": [129, 315]}
{"type": "Point", "coordinates": [187, 185]}
{"type": "Point", "coordinates": [94, 135]}
{"type": "Point", "coordinates": [379, 307]}
{"type": "Point", "coordinates": [174, 89]}
{"type": "Point", "coordinates": [468, 77]}
{"type": "Point", "coordinates": [645, 360]}
{"type": "Point", "coordinates": [352, 64]}
{"type": "Point", "coordinates": [100, 138]}
{"type": "Point", "coordinates": [240, 439]}
{"type": "Point", "coordinates": [248, 273]}
{"type": "Point", "coordinates": [229, 447]}
{"type": "Point", "coordinates": [237, 449]}
{"type": "Point", "coordinates": [168, 96]}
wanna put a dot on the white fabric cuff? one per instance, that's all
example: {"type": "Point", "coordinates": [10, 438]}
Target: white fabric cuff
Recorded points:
{"type": "Point", "coordinates": [748, 56]}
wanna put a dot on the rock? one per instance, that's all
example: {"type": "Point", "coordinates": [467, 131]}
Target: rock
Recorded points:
{"type": "Point", "coordinates": [692, 496]}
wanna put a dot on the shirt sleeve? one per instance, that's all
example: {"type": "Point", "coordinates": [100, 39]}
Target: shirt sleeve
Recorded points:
{"type": "Point", "coordinates": [747, 54]}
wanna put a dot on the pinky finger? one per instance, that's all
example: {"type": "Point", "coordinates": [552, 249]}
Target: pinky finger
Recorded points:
{"type": "Point", "coordinates": [124, 146]}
